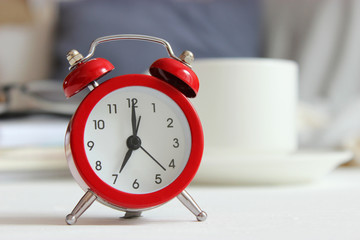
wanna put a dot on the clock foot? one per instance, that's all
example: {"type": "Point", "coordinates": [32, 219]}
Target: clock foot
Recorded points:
{"type": "Point", "coordinates": [84, 203]}
{"type": "Point", "coordinates": [190, 203]}
{"type": "Point", "coordinates": [132, 214]}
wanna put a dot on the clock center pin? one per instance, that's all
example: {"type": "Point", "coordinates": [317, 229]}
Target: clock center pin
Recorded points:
{"type": "Point", "coordinates": [133, 142]}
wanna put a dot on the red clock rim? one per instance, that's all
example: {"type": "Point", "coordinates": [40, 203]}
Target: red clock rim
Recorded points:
{"type": "Point", "coordinates": [105, 191]}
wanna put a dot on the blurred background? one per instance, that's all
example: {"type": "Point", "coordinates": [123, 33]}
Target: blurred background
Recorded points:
{"type": "Point", "coordinates": [321, 36]}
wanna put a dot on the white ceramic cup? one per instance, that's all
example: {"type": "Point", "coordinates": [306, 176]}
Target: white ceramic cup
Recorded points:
{"type": "Point", "coordinates": [248, 105]}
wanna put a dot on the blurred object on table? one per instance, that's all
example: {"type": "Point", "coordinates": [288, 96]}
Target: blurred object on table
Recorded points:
{"type": "Point", "coordinates": [258, 136]}
{"type": "Point", "coordinates": [34, 162]}
{"type": "Point", "coordinates": [35, 97]}
{"type": "Point", "coordinates": [32, 145]}
{"type": "Point", "coordinates": [301, 167]}
{"type": "Point", "coordinates": [33, 131]}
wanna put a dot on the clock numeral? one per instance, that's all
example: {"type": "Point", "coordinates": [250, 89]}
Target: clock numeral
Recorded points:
{"type": "Point", "coordinates": [112, 108]}
{"type": "Point", "coordinates": [132, 102]}
{"type": "Point", "coordinates": [172, 163]}
{"type": "Point", "coordinates": [135, 184]}
{"type": "Point", "coordinates": [176, 143]}
{"type": "Point", "coordinates": [90, 144]}
{"type": "Point", "coordinates": [153, 104]}
{"type": "Point", "coordinates": [158, 179]}
{"type": "Point", "coordinates": [116, 177]}
{"type": "Point", "coordinates": [98, 166]}
{"type": "Point", "coordinates": [99, 124]}
{"type": "Point", "coordinates": [170, 121]}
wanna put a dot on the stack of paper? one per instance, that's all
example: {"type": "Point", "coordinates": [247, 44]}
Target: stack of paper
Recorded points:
{"type": "Point", "coordinates": [32, 144]}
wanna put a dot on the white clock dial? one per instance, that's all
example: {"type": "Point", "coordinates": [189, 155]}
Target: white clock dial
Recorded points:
{"type": "Point", "coordinates": [137, 140]}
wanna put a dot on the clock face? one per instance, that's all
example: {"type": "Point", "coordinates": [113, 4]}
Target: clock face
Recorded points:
{"type": "Point", "coordinates": [137, 140]}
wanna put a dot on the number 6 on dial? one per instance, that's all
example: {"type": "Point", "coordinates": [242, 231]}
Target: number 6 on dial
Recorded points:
{"type": "Point", "coordinates": [135, 141]}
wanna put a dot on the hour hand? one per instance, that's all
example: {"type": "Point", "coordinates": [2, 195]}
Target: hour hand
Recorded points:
{"type": "Point", "coordinates": [137, 127]}
{"type": "Point", "coordinates": [126, 159]}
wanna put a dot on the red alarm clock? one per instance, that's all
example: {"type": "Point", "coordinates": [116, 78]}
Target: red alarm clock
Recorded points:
{"type": "Point", "coordinates": [135, 141]}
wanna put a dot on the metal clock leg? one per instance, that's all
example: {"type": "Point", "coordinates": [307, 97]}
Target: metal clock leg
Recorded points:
{"type": "Point", "coordinates": [129, 214]}
{"type": "Point", "coordinates": [190, 203]}
{"type": "Point", "coordinates": [84, 203]}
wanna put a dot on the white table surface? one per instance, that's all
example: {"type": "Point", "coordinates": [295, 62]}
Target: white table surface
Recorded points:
{"type": "Point", "coordinates": [327, 209]}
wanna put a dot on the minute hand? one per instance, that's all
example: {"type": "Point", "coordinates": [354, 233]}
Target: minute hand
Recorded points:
{"type": "Point", "coordinates": [152, 158]}
{"type": "Point", "coordinates": [133, 120]}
